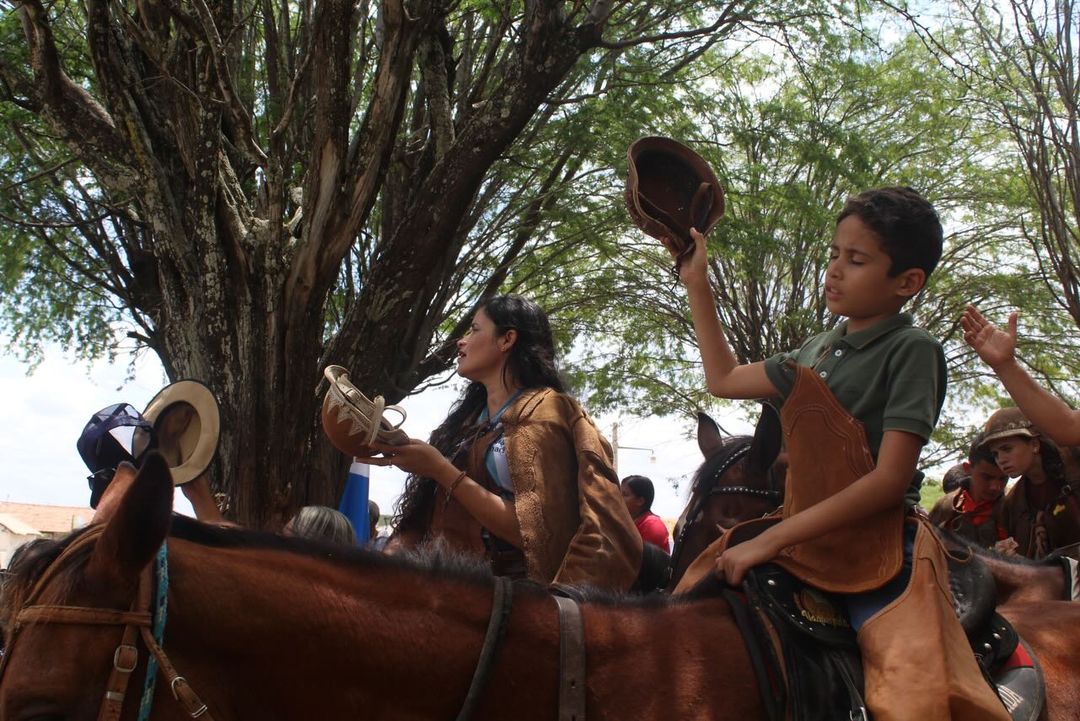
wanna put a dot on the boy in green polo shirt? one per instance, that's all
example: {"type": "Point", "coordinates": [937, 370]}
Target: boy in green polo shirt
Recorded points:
{"type": "Point", "coordinates": [890, 376]}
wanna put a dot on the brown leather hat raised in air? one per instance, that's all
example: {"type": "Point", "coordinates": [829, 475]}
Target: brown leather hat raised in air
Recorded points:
{"type": "Point", "coordinates": [671, 189]}
{"type": "Point", "coordinates": [1007, 422]}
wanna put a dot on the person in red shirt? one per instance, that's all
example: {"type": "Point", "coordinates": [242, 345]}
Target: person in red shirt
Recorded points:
{"type": "Point", "coordinates": [974, 509]}
{"type": "Point", "coordinates": [638, 493]}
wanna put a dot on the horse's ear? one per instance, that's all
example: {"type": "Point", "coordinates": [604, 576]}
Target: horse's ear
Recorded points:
{"type": "Point", "coordinates": [768, 437]}
{"type": "Point", "coordinates": [114, 492]}
{"type": "Point", "coordinates": [709, 438]}
{"type": "Point", "coordinates": [137, 528]}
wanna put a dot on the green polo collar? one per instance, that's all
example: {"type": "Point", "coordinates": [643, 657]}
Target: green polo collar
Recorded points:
{"type": "Point", "coordinates": [861, 339]}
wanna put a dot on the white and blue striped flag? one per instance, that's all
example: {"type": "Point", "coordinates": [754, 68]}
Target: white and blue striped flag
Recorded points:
{"type": "Point", "coordinates": [354, 501]}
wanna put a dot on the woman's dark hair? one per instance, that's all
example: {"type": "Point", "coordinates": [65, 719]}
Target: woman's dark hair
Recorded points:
{"type": "Point", "coordinates": [1052, 462]}
{"type": "Point", "coordinates": [531, 364]}
{"type": "Point", "coordinates": [641, 487]}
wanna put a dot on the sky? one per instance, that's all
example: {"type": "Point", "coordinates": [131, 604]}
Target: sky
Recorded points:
{"type": "Point", "coordinates": [43, 414]}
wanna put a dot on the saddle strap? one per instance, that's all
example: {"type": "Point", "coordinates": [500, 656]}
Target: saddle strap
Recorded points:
{"type": "Point", "coordinates": [770, 680]}
{"type": "Point", "coordinates": [857, 705]}
{"type": "Point", "coordinates": [571, 660]}
{"type": "Point", "coordinates": [501, 604]}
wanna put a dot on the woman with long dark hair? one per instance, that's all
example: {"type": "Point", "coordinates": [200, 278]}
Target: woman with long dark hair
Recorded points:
{"type": "Point", "coordinates": [517, 472]}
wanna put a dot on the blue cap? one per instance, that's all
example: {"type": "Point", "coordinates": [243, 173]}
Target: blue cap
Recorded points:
{"type": "Point", "coordinates": [115, 434]}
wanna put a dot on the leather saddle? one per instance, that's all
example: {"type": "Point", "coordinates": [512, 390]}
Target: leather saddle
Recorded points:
{"type": "Point", "coordinates": [807, 659]}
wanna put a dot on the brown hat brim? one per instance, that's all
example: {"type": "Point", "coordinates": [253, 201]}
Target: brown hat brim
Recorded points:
{"type": "Point", "coordinates": [1007, 433]}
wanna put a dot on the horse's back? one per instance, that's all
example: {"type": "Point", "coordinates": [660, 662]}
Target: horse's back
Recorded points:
{"type": "Point", "coordinates": [1052, 629]}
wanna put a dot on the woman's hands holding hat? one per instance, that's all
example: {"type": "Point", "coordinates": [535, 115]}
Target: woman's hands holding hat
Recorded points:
{"type": "Point", "coordinates": [415, 456]}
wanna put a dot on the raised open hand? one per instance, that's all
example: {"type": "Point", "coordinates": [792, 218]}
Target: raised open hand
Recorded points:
{"type": "Point", "coordinates": [995, 346]}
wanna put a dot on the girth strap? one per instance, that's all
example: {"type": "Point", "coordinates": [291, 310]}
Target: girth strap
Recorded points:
{"type": "Point", "coordinates": [501, 605]}
{"type": "Point", "coordinates": [571, 660]}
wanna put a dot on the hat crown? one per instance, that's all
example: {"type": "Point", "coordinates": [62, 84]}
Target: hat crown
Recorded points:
{"type": "Point", "coordinates": [1007, 419]}
{"type": "Point", "coordinates": [1007, 422]}
{"type": "Point", "coordinates": [670, 189]}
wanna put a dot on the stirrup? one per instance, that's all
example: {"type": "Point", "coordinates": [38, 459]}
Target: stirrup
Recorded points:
{"type": "Point", "coordinates": [352, 420]}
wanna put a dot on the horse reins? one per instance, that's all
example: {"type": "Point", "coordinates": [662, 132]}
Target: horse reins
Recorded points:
{"type": "Point", "coordinates": [501, 604]}
{"type": "Point", "coordinates": [137, 621]}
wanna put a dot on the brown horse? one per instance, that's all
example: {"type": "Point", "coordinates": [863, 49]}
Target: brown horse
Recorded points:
{"type": "Point", "coordinates": [742, 478]}
{"type": "Point", "coordinates": [268, 628]}
{"type": "Point", "coordinates": [1052, 629]}
{"type": "Point", "coordinates": [1016, 579]}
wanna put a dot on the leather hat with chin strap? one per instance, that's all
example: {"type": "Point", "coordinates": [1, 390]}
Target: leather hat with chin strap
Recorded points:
{"type": "Point", "coordinates": [671, 189]}
{"type": "Point", "coordinates": [187, 424]}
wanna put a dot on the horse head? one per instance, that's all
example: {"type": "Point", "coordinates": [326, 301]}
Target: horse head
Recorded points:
{"type": "Point", "coordinates": [65, 603]}
{"type": "Point", "coordinates": [742, 477]}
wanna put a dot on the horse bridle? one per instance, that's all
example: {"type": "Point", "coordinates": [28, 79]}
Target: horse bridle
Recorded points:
{"type": "Point", "coordinates": [772, 494]}
{"type": "Point", "coordinates": [139, 620]}
{"type": "Point", "coordinates": [136, 622]}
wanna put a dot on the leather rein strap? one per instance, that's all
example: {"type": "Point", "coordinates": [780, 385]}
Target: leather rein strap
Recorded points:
{"type": "Point", "coordinates": [501, 605]}
{"type": "Point", "coordinates": [571, 660]}
{"type": "Point", "coordinates": [135, 622]}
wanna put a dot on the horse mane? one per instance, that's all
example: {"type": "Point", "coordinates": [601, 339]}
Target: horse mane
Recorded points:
{"type": "Point", "coordinates": [436, 559]}
{"type": "Point", "coordinates": [706, 473]}
{"type": "Point", "coordinates": [27, 565]}
{"type": "Point", "coordinates": [953, 540]}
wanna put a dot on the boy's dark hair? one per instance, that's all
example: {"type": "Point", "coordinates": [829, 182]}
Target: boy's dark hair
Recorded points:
{"type": "Point", "coordinates": [641, 487]}
{"type": "Point", "coordinates": [980, 451]}
{"type": "Point", "coordinates": [908, 226]}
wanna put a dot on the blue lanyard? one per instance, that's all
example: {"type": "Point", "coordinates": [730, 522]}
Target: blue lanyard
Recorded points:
{"type": "Point", "coordinates": [505, 406]}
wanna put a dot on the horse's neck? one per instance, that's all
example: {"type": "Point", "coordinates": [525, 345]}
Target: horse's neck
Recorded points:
{"type": "Point", "coordinates": [309, 639]}
{"type": "Point", "coordinates": [1024, 582]}
{"type": "Point", "coordinates": [312, 639]}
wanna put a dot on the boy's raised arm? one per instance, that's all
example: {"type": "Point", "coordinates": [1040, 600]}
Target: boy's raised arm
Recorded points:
{"type": "Point", "coordinates": [725, 377]}
{"type": "Point", "coordinates": [997, 348]}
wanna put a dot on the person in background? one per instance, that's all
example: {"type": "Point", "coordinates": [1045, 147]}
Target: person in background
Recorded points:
{"type": "Point", "coordinates": [638, 494]}
{"type": "Point", "coordinates": [1041, 510]}
{"type": "Point", "coordinates": [373, 519]}
{"type": "Point", "coordinates": [955, 477]}
{"type": "Point", "coordinates": [997, 348]}
{"type": "Point", "coordinates": [973, 510]}
{"type": "Point", "coordinates": [321, 523]}
{"type": "Point", "coordinates": [378, 540]}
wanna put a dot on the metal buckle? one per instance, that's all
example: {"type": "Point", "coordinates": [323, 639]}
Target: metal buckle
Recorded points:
{"type": "Point", "coordinates": [125, 648]}
{"type": "Point", "coordinates": [859, 714]}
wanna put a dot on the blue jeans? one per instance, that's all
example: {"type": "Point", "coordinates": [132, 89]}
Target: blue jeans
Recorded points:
{"type": "Point", "coordinates": [861, 606]}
